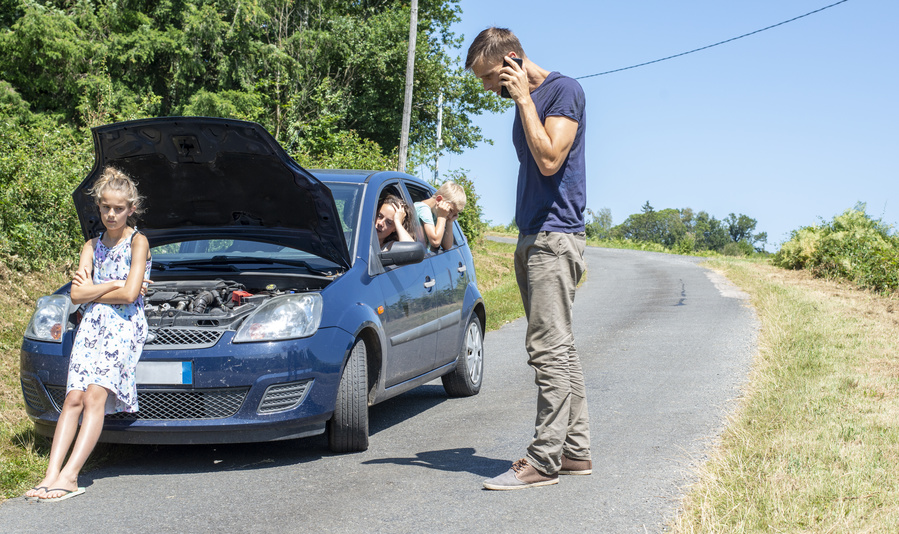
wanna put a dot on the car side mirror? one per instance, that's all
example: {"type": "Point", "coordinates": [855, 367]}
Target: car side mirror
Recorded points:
{"type": "Point", "coordinates": [402, 253]}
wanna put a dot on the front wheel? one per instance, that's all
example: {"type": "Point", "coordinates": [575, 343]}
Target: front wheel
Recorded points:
{"type": "Point", "coordinates": [348, 427]}
{"type": "Point", "coordinates": [465, 380]}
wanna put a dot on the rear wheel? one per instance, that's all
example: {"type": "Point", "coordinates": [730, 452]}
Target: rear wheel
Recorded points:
{"type": "Point", "coordinates": [465, 380]}
{"type": "Point", "coordinates": [348, 427]}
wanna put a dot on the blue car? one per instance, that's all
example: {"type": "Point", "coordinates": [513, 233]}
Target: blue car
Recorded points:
{"type": "Point", "coordinates": [274, 313]}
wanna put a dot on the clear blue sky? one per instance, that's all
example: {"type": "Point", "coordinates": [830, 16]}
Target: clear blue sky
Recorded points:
{"type": "Point", "coordinates": [788, 126]}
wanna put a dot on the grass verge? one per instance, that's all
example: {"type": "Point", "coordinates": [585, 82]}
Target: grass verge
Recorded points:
{"type": "Point", "coordinates": [494, 264]}
{"type": "Point", "coordinates": [23, 454]}
{"type": "Point", "coordinates": [815, 444]}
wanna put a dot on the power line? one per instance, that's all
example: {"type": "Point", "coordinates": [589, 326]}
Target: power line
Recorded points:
{"type": "Point", "coordinates": [713, 45]}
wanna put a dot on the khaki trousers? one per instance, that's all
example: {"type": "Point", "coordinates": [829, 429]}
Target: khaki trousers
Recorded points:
{"type": "Point", "coordinates": [548, 267]}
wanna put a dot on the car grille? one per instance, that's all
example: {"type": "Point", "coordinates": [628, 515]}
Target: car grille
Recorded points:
{"type": "Point", "coordinates": [175, 404]}
{"type": "Point", "coordinates": [182, 338]}
{"type": "Point", "coordinates": [32, 394]}
{"type": "Point", "coordinates": [281, 397]}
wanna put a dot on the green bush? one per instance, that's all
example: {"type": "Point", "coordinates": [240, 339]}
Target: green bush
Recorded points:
{"type": "Point", "coordinates": [852, 247]}
{"type": "Point", "coordinates": [41, 162]}
{"type": "Point", "coordinates": [471, 219]}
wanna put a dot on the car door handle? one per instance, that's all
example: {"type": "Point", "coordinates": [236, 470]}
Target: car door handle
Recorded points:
{"type": "Point", "coordinates": [462, 268]}
{"type": "Point", "coordinates": [429, 283]}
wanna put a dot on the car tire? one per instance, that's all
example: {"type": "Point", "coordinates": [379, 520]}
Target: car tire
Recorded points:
{"type": "Point", "coordinates": [465, 380]}
{"type": "Point", "coordinates": [348, 427]}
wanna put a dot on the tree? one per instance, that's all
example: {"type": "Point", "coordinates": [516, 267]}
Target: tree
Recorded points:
{"type": "Point", "coordinates": [323, 76]}
{"type": "Point", "coordinates": [740, 228]}
{"type": "Point", "coordinates": [710, 232]}
{"type": "Point", "coordinates": [664, 227]}
{"type": "Point", "coordinates": [307, 70]}
{"type": "Point", "coordinates": [600, 224]}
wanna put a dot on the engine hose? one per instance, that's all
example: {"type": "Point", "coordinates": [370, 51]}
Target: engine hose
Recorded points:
{"type": "Point", "coordinates": [203, 300]}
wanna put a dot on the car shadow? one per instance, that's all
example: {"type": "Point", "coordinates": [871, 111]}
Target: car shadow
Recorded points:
{"type": "Point", "coordinates": [125, 459]}
{"type": "Point", "coordinates": [404, 407]}
{"type": "Point", "coordinates": [453, 460]}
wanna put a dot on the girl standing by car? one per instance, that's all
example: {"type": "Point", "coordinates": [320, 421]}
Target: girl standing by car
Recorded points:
{"type": "Point", "coordinates": [110, 277]}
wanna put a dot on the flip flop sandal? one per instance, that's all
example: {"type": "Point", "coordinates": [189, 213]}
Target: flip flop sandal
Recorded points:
{"type": "Point", "coordinates": [68, 494]}
{"type": "Point", "coordinates": [35, 497]}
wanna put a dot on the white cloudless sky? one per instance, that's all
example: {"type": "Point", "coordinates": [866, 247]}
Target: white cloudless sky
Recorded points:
{"type": "Point", "coordinates": [789, 126]}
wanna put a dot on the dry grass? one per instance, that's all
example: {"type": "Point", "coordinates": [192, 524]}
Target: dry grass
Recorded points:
{"type": "Point", "coordinates": [22, 453]}
{"type": "Point", "coordinates": [815, 444]}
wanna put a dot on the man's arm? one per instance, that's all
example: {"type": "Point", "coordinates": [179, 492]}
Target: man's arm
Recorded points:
{"type": "Point", "coordinates": [549, 142]}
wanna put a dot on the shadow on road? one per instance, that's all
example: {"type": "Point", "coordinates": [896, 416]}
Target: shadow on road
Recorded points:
{"type": "Point", "coordinates": [454, 460]}
{"type": "Point", "coordinates": [121, 459]}
{"type": "Point", "coordinates": [405, 407]}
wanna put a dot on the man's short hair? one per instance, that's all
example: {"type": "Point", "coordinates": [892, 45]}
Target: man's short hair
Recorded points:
{"type": "Point", "coordinates": [454, 193]}
{"type": "Point", "coordinates": [492, 45]}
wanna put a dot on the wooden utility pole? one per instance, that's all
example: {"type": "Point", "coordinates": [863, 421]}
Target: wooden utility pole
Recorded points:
{"type": "Point", "coordinates": [439, 136]}
{"type": "Point", "coordinates": [407, 99]}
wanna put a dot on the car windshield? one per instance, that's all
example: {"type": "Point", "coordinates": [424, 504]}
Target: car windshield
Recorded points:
{"type": "Point", "coordinates": [348, 198]}
{"type": "Point", "coordinates": [237, 255]}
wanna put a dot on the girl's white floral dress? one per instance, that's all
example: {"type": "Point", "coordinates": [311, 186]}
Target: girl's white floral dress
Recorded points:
{"type": "Point", "coordinates": [110, 338]}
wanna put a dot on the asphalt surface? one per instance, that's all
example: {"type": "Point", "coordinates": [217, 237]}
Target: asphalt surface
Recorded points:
{"type": "Point", "coordinates": [666, 346]}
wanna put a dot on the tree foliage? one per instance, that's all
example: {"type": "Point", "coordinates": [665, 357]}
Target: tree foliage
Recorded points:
{"type": "Point", "coordinates": [325, 77]}
{"type": "Point", "coordinates": [307, 70]}
{"type": "Point", "coordinates": [471, 219]}
{"type": "Point", "coordinates": [685, 231]}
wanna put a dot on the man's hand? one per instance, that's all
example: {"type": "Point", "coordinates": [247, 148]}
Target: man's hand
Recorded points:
{"type": "Point", "coordinates": [515, 78]}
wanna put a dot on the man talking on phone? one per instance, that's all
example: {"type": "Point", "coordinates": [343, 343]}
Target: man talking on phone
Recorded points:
{"type": "Point", "coordinates": [548, 134]}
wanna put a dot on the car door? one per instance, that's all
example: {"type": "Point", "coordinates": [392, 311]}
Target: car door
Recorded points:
{"type": "Point", "coordinates": [452, 276]}
{"type": "Point", "coordinates": [409, 317]}
{"type": "Point", "coordinates": [449, 292]}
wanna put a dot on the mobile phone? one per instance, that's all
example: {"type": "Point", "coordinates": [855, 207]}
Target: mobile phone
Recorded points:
{"type": "Point", "coordinates": [503, 92]}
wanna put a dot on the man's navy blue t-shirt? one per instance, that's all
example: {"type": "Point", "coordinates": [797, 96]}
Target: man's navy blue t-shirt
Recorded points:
{"type": "Point", "coordinates": [553, 203]}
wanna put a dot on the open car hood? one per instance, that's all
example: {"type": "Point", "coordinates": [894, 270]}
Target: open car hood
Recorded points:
{"type": "Point", "coordinates": [215, 178]}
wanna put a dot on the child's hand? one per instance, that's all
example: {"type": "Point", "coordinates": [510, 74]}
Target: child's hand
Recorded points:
{"type": "Point", "coordinates": [444, 208]}
{"type": "Point", "coordinates": [399, 216]}
{"type": "Point", "coordinates": [81, 277]}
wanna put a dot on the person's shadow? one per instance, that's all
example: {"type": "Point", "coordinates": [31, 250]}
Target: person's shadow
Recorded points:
{"type": "Point", "coordinates": [454, 460]}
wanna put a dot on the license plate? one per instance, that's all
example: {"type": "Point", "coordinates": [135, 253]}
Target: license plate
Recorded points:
{"type": "Point", "coordinates": [164, 373]}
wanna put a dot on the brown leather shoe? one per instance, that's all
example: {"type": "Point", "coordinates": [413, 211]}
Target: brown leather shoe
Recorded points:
{"type": "Point", "coordinates": [522, 475]}
{"type": "Point", "coordinates": [575, 467]}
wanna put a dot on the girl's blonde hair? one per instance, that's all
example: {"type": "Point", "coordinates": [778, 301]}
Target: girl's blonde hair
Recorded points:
{"type": "Point", "coordinates": [113, 179]}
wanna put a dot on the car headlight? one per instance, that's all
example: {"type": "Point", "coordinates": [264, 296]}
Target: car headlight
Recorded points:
{"type": "Point", "coordinates": [49, 320]}
{"type": "Point", "coordinates": [285, 317]}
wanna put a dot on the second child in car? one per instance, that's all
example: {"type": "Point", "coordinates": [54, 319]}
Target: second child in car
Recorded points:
{"type": "Point", "coordinates": [438, 213]}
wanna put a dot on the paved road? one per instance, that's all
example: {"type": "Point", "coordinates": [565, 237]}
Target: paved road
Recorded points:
{"type": "Point", "coordinates": [665, 346]}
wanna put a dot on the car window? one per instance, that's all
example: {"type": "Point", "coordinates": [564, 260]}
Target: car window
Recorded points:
{"type": "Point", "coordinates": [415, 226]}
{"type": "Point", "coordinates": [374, 265]}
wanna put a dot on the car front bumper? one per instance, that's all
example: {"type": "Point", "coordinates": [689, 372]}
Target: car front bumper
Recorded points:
{"type": "Point", "coordinates": [232, 392]}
